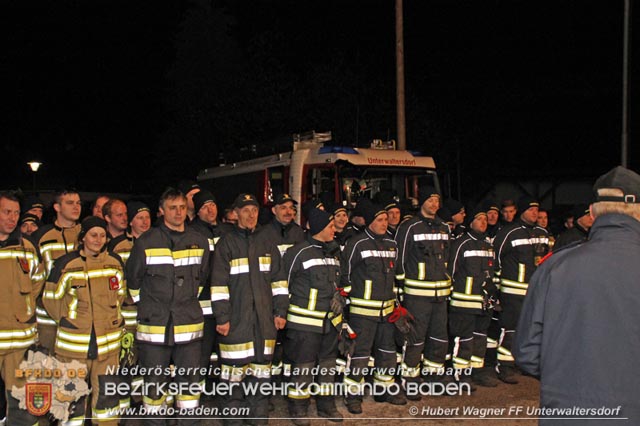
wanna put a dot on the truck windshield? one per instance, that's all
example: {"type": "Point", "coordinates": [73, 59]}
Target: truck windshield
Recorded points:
{"type": "Point", "coordinates": [381, 184]}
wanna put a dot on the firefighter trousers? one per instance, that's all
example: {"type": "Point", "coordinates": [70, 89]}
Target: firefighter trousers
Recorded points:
{"type": "Point", "coordinates": [9, 363]}
{"type": "Point", "coordinates": [468, 339]}
{"type": "Point", "coordinates": [432, 338]}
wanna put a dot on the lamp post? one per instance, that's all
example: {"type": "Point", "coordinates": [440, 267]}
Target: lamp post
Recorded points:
{"type": "Point", "coordinates": [35, 165]}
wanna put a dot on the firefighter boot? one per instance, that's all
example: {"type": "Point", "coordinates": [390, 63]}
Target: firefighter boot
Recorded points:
{"type": "Point", "coordinates": [354, 404]}
{"type": "Point", "coordinates": [326, 406]}
{"type": "Point", "coordinates": [298, 409]}
{"type": "Point", "coordinates": [485, 377]}
{"type": "Point", "coordinates": [507, 374]}
{"type": "Point", "coordinates": [393, 399]}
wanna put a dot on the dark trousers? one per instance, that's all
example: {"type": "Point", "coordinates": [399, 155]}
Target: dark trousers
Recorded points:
{"type": "Point", "coordinates": [186, 359]}
{"type": "Point", "coordinates": [432, 338]}
{"type": "Point", "coordinates": [511, 307]}
{"type": "Point", "coordinates": [468, 338]}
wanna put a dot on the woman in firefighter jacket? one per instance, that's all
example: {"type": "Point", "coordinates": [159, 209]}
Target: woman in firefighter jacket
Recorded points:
{"type": "Point", "coordinates": [471, 269]}
{"type": "Point", "coordinates": [84, 293]}
{"type": "Point", "coordinates": [21, 278]}
{"type": "Point", "coordinates": [368, 268]}
{"type": "Point", "coordinates": [313, 274]}
{"type": "Point", "coordinates": [250, 299]}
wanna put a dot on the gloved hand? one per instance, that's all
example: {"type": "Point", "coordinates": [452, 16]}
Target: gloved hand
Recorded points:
{"type": "Point", "coordinates": [346, 341]}
{"type": "Point", "coordinates": [128, 350]}
{"type": "Point", "coordinates": [338, 301]}
{"type": "Point", "coordinates": [403, 320]}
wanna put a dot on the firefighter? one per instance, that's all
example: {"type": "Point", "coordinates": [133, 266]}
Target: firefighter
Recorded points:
{"type": "Point", "coordinates": [519, 248]}
{"type": "Point", "coordinates": [471, 266]}
{"type": "Point", "coordinates": [55, 240]}
{"type": "Point", "coordinates": [29, 223]}
{"type": "Point", "coordinates": [367, 275]}
{"type": "Point", "coordinates": [250, 299]}
{"type": "Point", "coordinates": [423, 245]}
{"type": "Point", "coordinates": [313, 274]}
{"type": "Point", "coordinates": [582, 222]}
{"type": "Point", "coordinates": [83, 294]}
{"type": "Point", "coordinates": [165, 270]}
{"type": "Point", "coordinates": [206, 224]}
{"type": "Point", "coordinates": [22, 278]}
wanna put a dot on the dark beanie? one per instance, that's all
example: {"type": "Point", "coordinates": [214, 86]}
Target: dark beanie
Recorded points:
{"type": "Point", "coordinates": [369, 210]}
{"type": "Point", "coordinates": [201, 198]}
{"type": "Point", "coordinates": [579, 211]}
{"type": "Point", "coordinates": [337, 208]}
{"type": "Point", "coordinates": [490, 205]}
{"type": "Point", "coordinates": [91, 222]}
{"type": "Point", "coordinates": [526, 202]}
{"type": "Point", "coordinates": [309, 205]}
{"type": "Point", "coordinates": [445, 214]}
{"type": "Point", "coordinates": [318, 220]}
{"type": "Point", "coordinates": [429, 192]}
{"type": "Point", "coordinates": [135, 207]}
{"type": "Point", "coordinates": [454, 206]}
{"type": "Point", "coordinates": [29, 217]}
{"type": "Point", "coordinates": [477, 211]}
{"type": "Point", "coordinates": [185, 186]}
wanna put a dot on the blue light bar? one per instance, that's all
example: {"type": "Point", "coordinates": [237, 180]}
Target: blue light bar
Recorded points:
{"type": "Point", "coordinates": [337, 150]}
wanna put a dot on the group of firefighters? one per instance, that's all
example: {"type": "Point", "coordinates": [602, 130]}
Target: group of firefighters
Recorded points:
{"type": "Point", "coordinates": [394, 299]}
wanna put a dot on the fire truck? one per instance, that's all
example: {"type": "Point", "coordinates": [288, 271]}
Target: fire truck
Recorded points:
{"type": "Point", "coordinates": [317, 169]}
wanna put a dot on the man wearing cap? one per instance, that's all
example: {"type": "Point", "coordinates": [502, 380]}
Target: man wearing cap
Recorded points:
{"type": "Point", "coordinates": [250, 299]}
{"type": "Point", "coordinates": [285, 233]}
{"type": "Point", "coordinates": [493, 218]}
{"type": "Point", "coordinates": [83, 295]}
{"type": "Point", "coordinates": [341, 220]}
{"type": "Point", "coordinates": [34, 205]}
{"type": "Point", "coordinates": [29, 223]}
{"type": "Point", "coordinates": [55, 240]}
{"type": "Point", "coordinates": [206, 224]}
{"type": "Point", "coordinates": [164, 272]}
{"type": "Point", "coordinates": [392, 207]}
{"type": "Point", "coordinates": [423, 244]}
{"type": "Point", "coordinates": [579, 323]}
{"type": "Point", "coordinates": [458, 214]}
{"type": "Point", "coordinates": [368, 267]}
{"type": "Point", "coordinates": [471, 269]}
{"type": "Point", "coordinates": [189, 188]}
{"type": "Point", "coordinates": [519, 247]}
{"type": "Point", "coordinates": [580, 231]}
{"type": "Point", "coordinates": [313, 274]}
{"type": "Point", "coordinates": [21, 278]}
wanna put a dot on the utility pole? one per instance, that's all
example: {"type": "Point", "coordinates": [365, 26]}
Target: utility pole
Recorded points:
{"type": "Point", "coordinates": [400, 114]}
{"type": "Point", "coordinates": [624, 161]}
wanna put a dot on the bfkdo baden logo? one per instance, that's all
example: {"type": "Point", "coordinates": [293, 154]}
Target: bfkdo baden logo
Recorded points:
{"type": "Point", "coordinates": [38, 399]}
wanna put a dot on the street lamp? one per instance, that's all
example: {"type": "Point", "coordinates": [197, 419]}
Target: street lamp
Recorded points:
{"type": "Point", "coordinates": [35, 165]}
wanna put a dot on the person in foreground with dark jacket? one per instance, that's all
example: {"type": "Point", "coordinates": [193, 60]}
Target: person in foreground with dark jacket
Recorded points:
{"type": "Point", "coordinates": [578, 330]}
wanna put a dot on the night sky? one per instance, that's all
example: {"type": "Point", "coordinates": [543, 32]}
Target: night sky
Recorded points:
{"type": "Point", "coordinates": [131, 96]}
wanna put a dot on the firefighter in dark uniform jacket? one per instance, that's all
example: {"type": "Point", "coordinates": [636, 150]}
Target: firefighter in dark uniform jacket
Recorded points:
{"type": "Point", "coordinates": [578, 330]}
{"type": "Point", "coordinates": [368, 266]}
{"type": "Point", "coordinates": [284, 232]}
{"type": "Point", "coordinates": [423, 244]}
{"type": "Point", "coordinates": [206, 224]}
{"type": "Point", "coordinates": [250, 299]}
{"type": "Point", "coordinates": [519, 248]}
{"type": "Point", "coordinates": [84, 293]}
{"type": "Point", "coordinates": [164, 272]}
{"type": "Point", "coordinates": [582, 222]}
{"type": "Point", "coordinates": [21, 278]}
{"type": "Point", "coordinates": [313, 275]}
{"type": "Point", "coordinates": [471, 267]}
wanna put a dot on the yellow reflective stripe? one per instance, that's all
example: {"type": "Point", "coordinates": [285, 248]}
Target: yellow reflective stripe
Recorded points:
{"type": "Point", "coordinates": [521, 272]}
{"type": "Point", "coordinates": [219, 293]}
{"type": "Point", "coordinates": [279, 288]}
{"type": "Point", "coordinates": [239, 266]}
{"type": "Point", "coordinates": [515, 291]}
{"type": "Point", "coordinates": [367, 289]}
{"type": "Point", "coordinates": [407, 371]}
{"type": "Point", "coordinates": [188, 332]}
{"type": "Point", "coordinates": [18, 334]}
{"type": "Point", "coordinates": [422, 270]}
{"type": "Point", "coordinates": [313, 298]}
{"type": "Point", "coordinates": [477, 362]}
{"type": "Point", "coordinates": [192, 256]}
{"type": "Point", "coordinates": [264, 263]}
{"type": "Point", "coordinates": [262, 371]}
{"type": "Point", "coordinates": [80, 275]}
{"type": "Point", "coordinates": [306, 312]}
{"type": "Point", "coordinates": [304, 320]}
{"type": "Point", "coordinates": [427, 284]}
{"type": "Point", "coordinates": [370, 312]}
{"type": "Point", "coordinates": [379, 304]}
{"type": "Point", "coordinates": [468, 305]}
{"type": "Point", "coordinates": [463, 296]}
{"type": "Point", "coordinates": [427, 293]}
{"type": "Point", "coordinates": [232, 374]}
{"type": "Point", "coordinates": [237, 351]}
{"type": "Point", "coordinates": [72, 309]}
{"type": "Point", "coordinates": [468, 286]}
{"type": "Point", "coordinates": [515, 284]}
{"type": "Point", "coordinates": [269, 346]}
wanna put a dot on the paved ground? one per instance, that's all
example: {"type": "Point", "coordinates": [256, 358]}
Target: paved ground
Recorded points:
{"type": "Point", "coordinates": [508, 405]}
